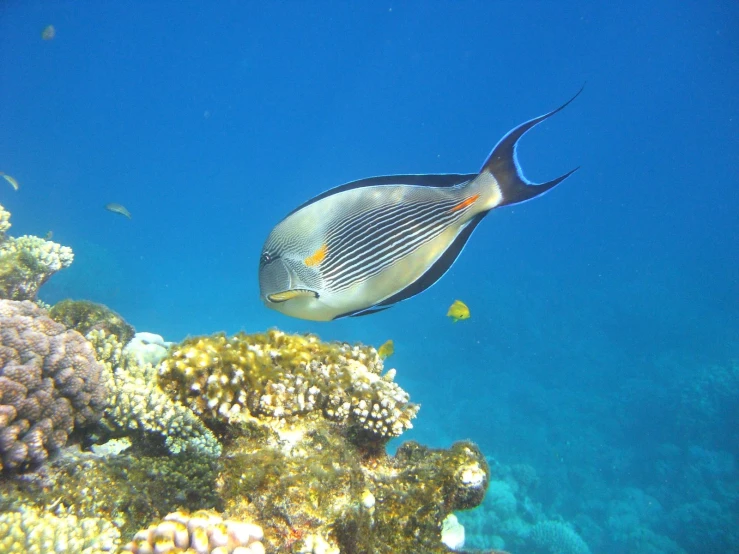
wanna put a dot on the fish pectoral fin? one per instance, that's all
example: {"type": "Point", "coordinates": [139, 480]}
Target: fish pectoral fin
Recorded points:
{"type": "Point", "coordinates": [286, 295]}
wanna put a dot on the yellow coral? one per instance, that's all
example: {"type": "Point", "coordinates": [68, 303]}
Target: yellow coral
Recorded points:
{"type": "Point", "coordinates": [279, 375]}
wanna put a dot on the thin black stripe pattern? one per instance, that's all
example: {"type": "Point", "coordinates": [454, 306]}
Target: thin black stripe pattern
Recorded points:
{"type": "Point", "coordinates": [364, 244]}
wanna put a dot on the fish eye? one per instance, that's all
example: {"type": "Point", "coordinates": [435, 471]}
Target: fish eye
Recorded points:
{"type": "Point", "coordinates": [266, 258]}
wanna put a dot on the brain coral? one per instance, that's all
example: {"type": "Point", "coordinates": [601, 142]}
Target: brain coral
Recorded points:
{"type": "Point", "coordinates": [279, 376]}
{"type": "Point", "coordinates": [50, 382]}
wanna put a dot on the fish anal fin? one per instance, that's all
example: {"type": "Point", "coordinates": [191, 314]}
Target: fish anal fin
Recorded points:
{"type": "Point", "coordinates": [439, 267]}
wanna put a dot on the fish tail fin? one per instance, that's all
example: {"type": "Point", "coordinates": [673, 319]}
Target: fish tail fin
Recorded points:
{"type": "Point", "coordinates": [503, 166]}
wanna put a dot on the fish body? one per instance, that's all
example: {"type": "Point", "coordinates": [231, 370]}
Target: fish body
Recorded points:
{"type": "Point", "coordinates": [458, 311]}
{"type": "Point", "coordinates": [368, 244]}
{"type": "Point", "coordinates": [11, 180]}
{"type": "Point", "coordinates": [118, 209]}
{"type": "Point", "coordinates": [387, 349]}
{"type": "Point", "coordinates": [48, 33]}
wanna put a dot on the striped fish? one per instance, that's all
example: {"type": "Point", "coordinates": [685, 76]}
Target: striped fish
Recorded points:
{"type": "Point", "coordinates": [366, 245]}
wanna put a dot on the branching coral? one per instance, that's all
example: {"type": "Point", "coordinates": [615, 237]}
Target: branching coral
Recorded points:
{"type": "Point", "coordinates": [29, 530]}
{"type": "Point", "coordinates": [50, 382]}
{"type": "Point", "coordinates": [4, 223]}
{"type": "Point", "coordinates": [280, 376]}
{"type": "Point", "coordinates": [137, 403]}
{"type": "Point", "coordinates": [27, 262]}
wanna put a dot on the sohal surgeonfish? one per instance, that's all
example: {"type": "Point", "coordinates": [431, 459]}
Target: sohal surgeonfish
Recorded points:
{"type": "Point", "coordinates": [366, 245]}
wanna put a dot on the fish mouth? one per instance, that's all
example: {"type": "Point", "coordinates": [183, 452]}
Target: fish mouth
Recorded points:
{"type": "Point", "coordinates": [284, 296]}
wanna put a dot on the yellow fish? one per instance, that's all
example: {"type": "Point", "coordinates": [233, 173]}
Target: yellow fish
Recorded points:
{"type": "Point", "coordinates": [118, 209]}
{"type": "Point", "coordinates": [9, 179]}
{"type": "Point", "coordinates": [387, 349]}
{"type": "Point", "coordinates": [458, 311]}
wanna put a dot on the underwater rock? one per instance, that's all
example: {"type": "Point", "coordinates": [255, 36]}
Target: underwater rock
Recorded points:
{"type": "Point", "coordinates": [50, 383]}
{"type": "Point", "coordinates": [139, 406]}
{"type": "Point", "coordinates": [27, 262]}
{"type": "Point", "coordinates": [280, 376]}
{"type": "Point", "coordinates": [85, 316]}
{"type": "Point", "coordinates": [147, 348]}
{"type": "Point", "coordinates": [308, 479]}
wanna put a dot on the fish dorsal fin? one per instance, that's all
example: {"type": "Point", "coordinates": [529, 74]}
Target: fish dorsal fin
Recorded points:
{"type": "Point", "coordinates": [444, 180]}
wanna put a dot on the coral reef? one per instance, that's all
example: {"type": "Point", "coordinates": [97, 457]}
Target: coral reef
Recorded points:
{"type": "Point", "coordinates": [307, 483]}
{"type": "Point", "coordinates": [556, 537]}
{"type": "Point", "coordinates": [138, 404]}
{"type": "Point", "coordinates": [50, 383]}
{"type": "Point", "coordinates": [282, 376]}
{"type": "Point", "coordinates": [203, 532]}
{"type": "Point", "coordinates": [304, 426]}
{"type": "Point", "coordinates": [85, 316]}
{"type": "Point", "coordinates": [30, 530]}
{"type": "Point", "coordinates": [27, 262]}
{"type": "Point", "coordinates": [130, 489]}
{"type": "Point", "coordinates": [509, 519]}
{"type": "Point", "coordinates": [4, 222]}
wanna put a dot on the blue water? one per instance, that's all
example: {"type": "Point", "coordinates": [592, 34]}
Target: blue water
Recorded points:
{"type": "Point", "coordinates": [603, 349]}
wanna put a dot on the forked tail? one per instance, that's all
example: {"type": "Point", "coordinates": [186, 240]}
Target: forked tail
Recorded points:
{"type": "Point", "coordinates": [503, 165]}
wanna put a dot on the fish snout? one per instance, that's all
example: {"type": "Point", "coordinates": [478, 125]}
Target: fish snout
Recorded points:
{"type": "Point", "coordinates": [274, 277]}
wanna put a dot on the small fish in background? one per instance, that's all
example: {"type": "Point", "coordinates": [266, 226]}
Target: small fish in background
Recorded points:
{"type": "Point", "coordinates": [9, 179]}
{"type": "Point", "coordinates": [387, 349]}
{"type": "Point", "coordinates": [458, 311]}
{"type": "Point", "coordinates": [118, 209]}
{"type": "Point", "coordinates": [48, 33]}
{"type": "Point", "coordinates": [49, 235]}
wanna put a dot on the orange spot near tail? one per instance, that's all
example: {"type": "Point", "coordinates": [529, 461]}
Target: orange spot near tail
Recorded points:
{"type": "Point", "coordinates": [465, 203]}
{"type": "Point", "coordinates": [317, 256]}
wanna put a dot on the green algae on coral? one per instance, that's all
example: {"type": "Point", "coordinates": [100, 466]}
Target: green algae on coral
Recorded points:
{"type": "Point", "coordinates": [307, 478]}
{"type": "Point", "coordinates": [129, 490]}
{"type": "Point", "coordinates": [85, 316]}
